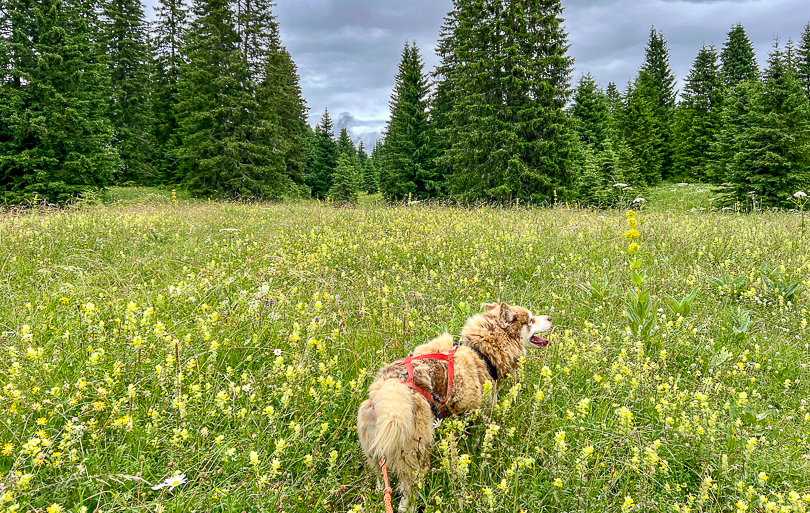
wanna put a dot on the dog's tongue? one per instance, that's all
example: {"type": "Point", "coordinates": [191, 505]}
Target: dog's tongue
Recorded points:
{"type": "Point", "coordinates": [538, 341]}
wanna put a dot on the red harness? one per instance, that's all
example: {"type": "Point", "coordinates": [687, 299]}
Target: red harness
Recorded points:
{"type": "Point", "coordinates": [440, 409]}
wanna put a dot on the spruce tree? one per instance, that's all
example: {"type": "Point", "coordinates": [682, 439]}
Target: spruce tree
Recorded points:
{"type": "Point", "coordinates": [734, 123]}
{"type": "Point", "coordinates": [365, 168]}
{"type": "Point", "coordinates": [614, 98]}
{"type": "Point", "coordinates": [282, 111]}
{"type": "Point", "coordinates": [591, 111]}
{"type": "Point", "coordinates": [129, 64]}
{"type": "Point", "coordinates": [372, 173]}
{"type": "Point", "coordinates": [345, 182]}
{"type": "Point", "coordinates": [657, 84]}
{"type": "Point", "coordinates": [409, 155]}
{"type": "Point", "coordinates": [738, 58]}
{"type": "Point", "coordinates": [346, 145]}
{"type": "Point", "coordinates": [635, 124]}
{"type": "Point", "coordinates": [55, 136]}
{"type": "Point", "coordinates": [228, 148]}
{"type": "Point", "coordinates": [168, 29]}
{"type": "Point", "coordinates": [698, 116]}
{"type": "Point", "coordinates": [324, 158]}
{"type": "Point", "coordinates": [771, 160]}
{"type": "Point", "coordinates": [443, 100]}
{"type": "Point", "coordinates": [803, 61]}
{"type": "Point", "coordinates": [511, 77]}
{"type": "Point", "coordinates": [258, 34]}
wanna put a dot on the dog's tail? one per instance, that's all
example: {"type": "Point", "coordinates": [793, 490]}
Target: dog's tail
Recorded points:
{"type": "Point", "coordinates": [393, 404]}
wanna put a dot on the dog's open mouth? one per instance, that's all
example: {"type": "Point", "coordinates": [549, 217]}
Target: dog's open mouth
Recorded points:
{"type": "Point", "coordinates": [538, 341]}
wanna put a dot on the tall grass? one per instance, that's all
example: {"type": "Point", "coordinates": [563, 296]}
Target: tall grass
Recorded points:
{"type": "Point", "coordinates": [233, 344]}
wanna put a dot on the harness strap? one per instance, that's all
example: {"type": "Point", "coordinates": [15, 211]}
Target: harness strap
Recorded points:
{"type": "Point", "coordinates": [408, 363]}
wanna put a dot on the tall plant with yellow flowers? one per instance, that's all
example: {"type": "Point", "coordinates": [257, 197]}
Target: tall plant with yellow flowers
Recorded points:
{"type": "Point", "coordinates": [638, 308]}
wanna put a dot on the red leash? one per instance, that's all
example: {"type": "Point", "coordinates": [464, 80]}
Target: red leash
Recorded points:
{"type": "Point", "coordinates": [408, 363]}
{"type": "Point", "coordinates": [387, 492]}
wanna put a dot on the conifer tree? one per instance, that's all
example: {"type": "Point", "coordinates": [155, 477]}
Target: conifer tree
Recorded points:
{"type": "Point", "coordinates": [614, 98]}
{"type": "Point", "coordinates": [409, 155]}
{"type": "Point", "coordinates": [365, 169]}
{"type": "Point", "coordinates": [346, 145]}
{"type": "Point", "coordinates": [258, 34]}
{"type": "Point", "coordinates": [698, 116]}
{"type": "Point", "coordinates": [636, 126]}
{"type": "Point", "coordinates": [511, 78]}
{"type": "Point", "coordinates": [324, 158]}
{"type": "Point", "coordinates": [168, 28]}
{"type": "Point", "coordinates": [129, 63]}
{"type": "Point", "coordinates": [282, 111]}
{"type": "Point", "coordinates": [372, 173]}
{"type": "Point", "coordinates": [739, 62]}
{"type": "Point", "coordinates": [345, 182]}
{"type": "Point", "coordinates": [443, 100]}
{"type": "Point", "coordinates": [591, 111]}
{"type": "Point", "coordinates": [55, 136]}
{"type": "Point", "coordinates": [228, 149]}
{"type": "Point", "coordinates": [803, 61]}
{"type": "Point", "coordinates": [657, 84]}
{"type": "Point", "coordinates": [735, 121]}
{"type": "Point", "coordinates": [772, 156]}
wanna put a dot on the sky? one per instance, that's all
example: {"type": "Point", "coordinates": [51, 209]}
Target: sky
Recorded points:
{"type": "Point", "coordinates": [347, 51]}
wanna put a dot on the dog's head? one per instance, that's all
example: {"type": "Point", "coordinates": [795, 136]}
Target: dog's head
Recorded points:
{"type": "Point", "coordinates": [520, 320]}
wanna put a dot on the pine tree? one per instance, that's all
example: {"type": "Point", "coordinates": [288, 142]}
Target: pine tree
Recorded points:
{"type": "Point", "coordinates": [324, 158]}
{"type": "Point", "coordinates": [258, 34]}
{"type": "Point", "coordinates": [371, 175]}
{"type": "Point", "coordinates": [738, 58]}
{"type": "Point", "coordinates": [698, 117]}
{"type": "Point", "coordinates": [443, 101]}
{"type": "Point", "coordinates": [55, 136]}
{"type": "Point", "coordinates": [168, 28]}
{"type": "Point", "coordinates": [345, 182]}
{"type": "Point", "coordinates": [511, 77]}
{"type": "Point", "coordinates": [657, 84]}
{"type": "Point", "coordinates": [614, 97]}
{"type": "Point", "coordinates": [346, 145]}
{"type": "Point", "coordinates": [228, 147]}
{"type": "Point", "coordinates": [803, 61]}
{"type": "Point", "coordinates": [129, 65]}
{"type": "Point", "coordinates": [282, 111]}
{"type": "Point", "coordinates": [591, 111]}
{"type": "Point", "coordinates": [772, 156]}
{"type": "Point", "coordinates": [409, 155]}
{"type": "Point", "coordinates": [734, 123]}
{"type": "Point", "coordinates": [636, 127]}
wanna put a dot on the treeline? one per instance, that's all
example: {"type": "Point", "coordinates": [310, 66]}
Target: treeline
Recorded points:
{"type": "Point", "coordinates": [92, 95]}
{"type": "Point", "coordinates": [498, 120]}
{"type": "Point", "coordinates": [208, 99]}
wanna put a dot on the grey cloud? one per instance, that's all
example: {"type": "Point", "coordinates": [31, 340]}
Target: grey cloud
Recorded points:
{"type": "Point", "coordinates": [347, 51]}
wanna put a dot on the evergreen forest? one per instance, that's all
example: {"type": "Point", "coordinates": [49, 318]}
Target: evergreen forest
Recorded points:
{"type": "Point", "coordinates": [206, 98]}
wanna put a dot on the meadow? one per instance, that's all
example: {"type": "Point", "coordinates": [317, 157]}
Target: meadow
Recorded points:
{"type": "Point", "coordinates": [222, 350]}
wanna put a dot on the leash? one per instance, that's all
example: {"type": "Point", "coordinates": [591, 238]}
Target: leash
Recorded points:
{"type": "Point", "coordinates": [441, 411]}
{"type": "Point", "coordinates": [387, 492]}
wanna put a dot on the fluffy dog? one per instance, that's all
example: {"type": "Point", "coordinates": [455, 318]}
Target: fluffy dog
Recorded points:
{"type": "Point", "coordinates": [397, 421]}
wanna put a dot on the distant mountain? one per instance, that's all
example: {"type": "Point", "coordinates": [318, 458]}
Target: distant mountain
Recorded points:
{"type": "Point", "coordinates": [367, 131]}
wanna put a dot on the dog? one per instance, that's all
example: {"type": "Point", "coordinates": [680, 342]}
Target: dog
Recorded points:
{"type": "Point", "coordinates": [396, 422]}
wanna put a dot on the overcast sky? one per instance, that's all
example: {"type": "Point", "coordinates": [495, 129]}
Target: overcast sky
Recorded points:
{"type": "Point", "coordinates": [347, 51]}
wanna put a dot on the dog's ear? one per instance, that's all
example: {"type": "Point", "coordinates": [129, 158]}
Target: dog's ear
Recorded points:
{"type": "Point", "coordinates": [490, 306]}
{"type": "Point", "coordinates": [507, 314]}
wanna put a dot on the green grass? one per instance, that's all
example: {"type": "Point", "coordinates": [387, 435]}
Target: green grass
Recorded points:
{"type": "Point", "coordinates": [140, 340]}
{"type": "Point", "coordinates": [682, 197]}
